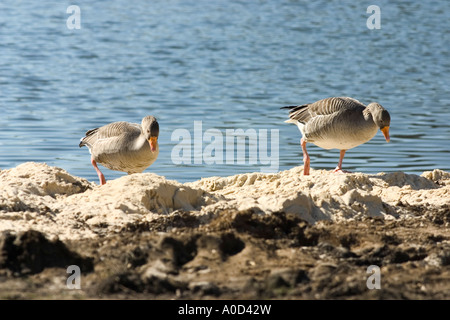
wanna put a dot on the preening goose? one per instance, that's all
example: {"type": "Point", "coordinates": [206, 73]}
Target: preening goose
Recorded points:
{"type": "Point", "coordinates": [338, 123]}
{"type": "Point", "coordinates": [123, 146]}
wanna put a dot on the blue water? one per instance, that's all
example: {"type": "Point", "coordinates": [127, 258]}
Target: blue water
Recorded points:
{"type": "Point", "coordinates": [230, 65]}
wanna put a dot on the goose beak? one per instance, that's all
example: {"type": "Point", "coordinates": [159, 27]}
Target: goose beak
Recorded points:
{"type": "Point", "coordinates": [153, 141]}
{"type": "Point", "coordinates": [385, 131]}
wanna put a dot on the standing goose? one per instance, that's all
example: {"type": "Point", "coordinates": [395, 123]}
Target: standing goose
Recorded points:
{"type": "Point", "coordinates": [338, 123]}
{"type": "Point", "coordinates": [123, 146]}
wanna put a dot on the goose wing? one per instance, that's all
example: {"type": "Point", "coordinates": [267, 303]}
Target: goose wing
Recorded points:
{"type": "Point", "coordinates": [324, 107]}
{"type": "Point", "coordinates": [111, 137]}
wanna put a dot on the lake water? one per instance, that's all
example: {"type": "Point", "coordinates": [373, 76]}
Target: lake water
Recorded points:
{"type": "Point", "coordinates": [227, 65]}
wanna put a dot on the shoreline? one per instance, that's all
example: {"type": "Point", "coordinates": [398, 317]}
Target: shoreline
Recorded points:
{"type": "Point", "coordinates": [248, 236]}
{"type": "Point", "coordinates": [44, 197]}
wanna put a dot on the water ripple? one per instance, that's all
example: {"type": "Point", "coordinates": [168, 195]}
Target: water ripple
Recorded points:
{"type": "Point", "coordinates": [228, 64]}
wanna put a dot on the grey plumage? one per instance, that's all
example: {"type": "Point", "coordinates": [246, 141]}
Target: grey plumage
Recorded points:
{"type": "Point", "coordinates": [124, 146]}
{"type": "Point", "coordinates": [339, 123]}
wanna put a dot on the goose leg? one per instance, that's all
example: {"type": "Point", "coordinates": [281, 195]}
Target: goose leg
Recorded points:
{"type": "Point", "coordinates": [101, 177]}
{"type": "Point", "coordinates": [339, 166]}
{"type": "Point", "coordinates": [305, 158]}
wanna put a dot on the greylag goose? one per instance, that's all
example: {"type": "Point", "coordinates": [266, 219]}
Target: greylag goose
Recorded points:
{"type": "Point", "coordinates": [123, 146]}
{"type": "Point", "coordinates": [338, 123]}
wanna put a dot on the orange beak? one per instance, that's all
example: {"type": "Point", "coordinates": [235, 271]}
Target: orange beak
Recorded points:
{"type": "Point", "coordinates": [385, 131]}
{"type": "Point", "coordinates": [153, 143]}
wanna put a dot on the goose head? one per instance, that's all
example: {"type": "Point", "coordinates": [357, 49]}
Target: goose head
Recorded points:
{"type": "Point", "coordinates": [150, 130]}
{"type": "Point", "coordinates": [381, 118]}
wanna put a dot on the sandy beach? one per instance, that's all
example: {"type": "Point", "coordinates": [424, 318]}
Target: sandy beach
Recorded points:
{"type": "Point", "coordinates": [254, 235]}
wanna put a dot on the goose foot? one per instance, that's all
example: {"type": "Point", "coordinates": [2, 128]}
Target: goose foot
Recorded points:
{"type": "Point", "coordinates": [339, 170]}
{"type": "Point", "coordinates": [100, 175]}
{"type": "Point", "coordinates": [306, 169]}
{"type": "Point", "coordinates": [101, 178]}
{"type": "Point", "coordinates": [306, 160]}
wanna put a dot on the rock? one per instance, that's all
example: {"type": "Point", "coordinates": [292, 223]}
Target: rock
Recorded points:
{"type": "Point", "coordinates": [204, 288]}
{"type": "Point", "coordinates": [255, 235]}
{"type": "Point", "coordinates": [438, 259]}
{"type": "Point", "coordinates": [31, 252]}
{"type": "Point", "coordinates": [288, 277]}
{"type": "Point", "coordinates": [50, 200]}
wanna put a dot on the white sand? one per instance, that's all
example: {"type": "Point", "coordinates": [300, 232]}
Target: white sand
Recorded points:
{"type": "Point", "coordinates": [48, 199]}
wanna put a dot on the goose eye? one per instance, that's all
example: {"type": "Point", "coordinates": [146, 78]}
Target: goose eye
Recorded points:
{"type": "Point", "coordinates": [148, 131]}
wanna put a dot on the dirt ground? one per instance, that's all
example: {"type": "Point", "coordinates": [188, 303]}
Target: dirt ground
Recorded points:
{"type": "Point", "coordinates": [237, 255]}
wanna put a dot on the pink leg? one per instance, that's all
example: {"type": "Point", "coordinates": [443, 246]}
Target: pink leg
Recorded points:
{"type": "Point", "coordinates": [339, 166]}
{"type": "Point", "coordinates": [305, 158]}
{"type": "Point", "coordinates": [101, 177]}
